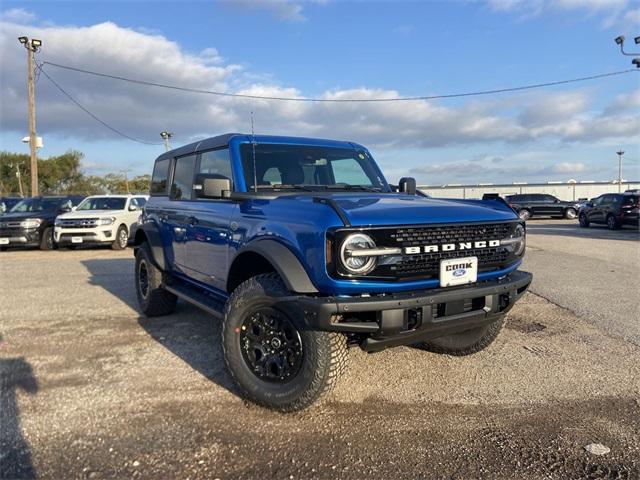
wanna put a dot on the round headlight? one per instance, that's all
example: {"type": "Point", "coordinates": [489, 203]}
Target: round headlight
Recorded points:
{"type": "Point", "coordinates": [518, 247]}
{"type": "Point", "coordinates": [352, 262]}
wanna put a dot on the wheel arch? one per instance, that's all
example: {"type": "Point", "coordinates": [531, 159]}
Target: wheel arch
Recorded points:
{"type": "Point", "coordinates": [264, 256]}
{"type": "Point", "coordinates": [149, 234]}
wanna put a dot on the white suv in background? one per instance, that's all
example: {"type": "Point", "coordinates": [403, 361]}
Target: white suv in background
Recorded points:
{"type": "Point", "coordinates": [100, 219]}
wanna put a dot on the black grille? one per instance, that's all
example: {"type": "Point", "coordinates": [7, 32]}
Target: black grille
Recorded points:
{"type": "Point", "coordinates": [427, 265]}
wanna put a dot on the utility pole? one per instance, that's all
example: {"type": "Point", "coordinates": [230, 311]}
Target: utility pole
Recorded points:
{"type": "Point", "coordinates": [126, 179]}
{"type": "Point", "coordinates": [620, 154]}
{"type": "Point", "coordinates": [32, 46]}
{"type": "Point", "coordinates": [166, 136]}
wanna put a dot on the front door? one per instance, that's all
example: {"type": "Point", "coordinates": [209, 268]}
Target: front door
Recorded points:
{"type": "Point", "coordinates": [181, 195]}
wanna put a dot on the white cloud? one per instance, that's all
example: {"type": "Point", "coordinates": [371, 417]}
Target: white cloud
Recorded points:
{"type": "Point", "coordinates": [143, 111]}
{"type": "Point", "coordinates": [17, 15]}
{"type": "Point", "coordinates": [287, 10]}
{"type": "Point", "coordinates": [569, 168]}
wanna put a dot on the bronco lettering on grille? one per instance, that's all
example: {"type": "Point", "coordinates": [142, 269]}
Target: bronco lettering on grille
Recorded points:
{"type": "Point", "coordinates": [450, 247]}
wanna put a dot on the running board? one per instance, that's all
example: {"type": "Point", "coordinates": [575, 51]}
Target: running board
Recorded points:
{"type": "Point", "coordinates": [200, 300]}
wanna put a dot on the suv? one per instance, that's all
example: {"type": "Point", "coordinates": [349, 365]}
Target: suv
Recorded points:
{"type": "Point", "coordinates": [542, 204]}
{"type": "Point", "coordinates": [302, 249]}
{"type": "Point", "coordinates": [29, 223]}
{"type": "Point", "coordinates": [612, 209]}
{"type": "Point", "coordinates": [100, 219]}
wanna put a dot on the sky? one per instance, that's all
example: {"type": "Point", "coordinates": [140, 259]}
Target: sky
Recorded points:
{"type": "Point", "coordinates": [337, 49]}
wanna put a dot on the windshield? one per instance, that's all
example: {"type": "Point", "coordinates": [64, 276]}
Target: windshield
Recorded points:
{"type": "Point", "coordinates": [310, 168]}
{"type": "Point", "coordinates": [102, 203]}
{"type": "Point", "coordinates": [35, 205]}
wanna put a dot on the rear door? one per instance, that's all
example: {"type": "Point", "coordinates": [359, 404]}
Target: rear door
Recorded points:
{"type": "Point", "coordinates": [536, 204]}
{"type": "Point", "coordinates": [181, 196]}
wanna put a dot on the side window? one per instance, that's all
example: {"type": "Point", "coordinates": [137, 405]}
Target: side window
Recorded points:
{"type": "Point", "coordinates": [349, 171]}
{"type": "Point", "coordinates": [605, 200]}
{"type": "Point", "coordinates": [182, 186]}
{"type": "Point", "coordinates": [615, 199]}
{"type": "Point", "coordinates": [160, 176]}
{"type": "Point", "coordinates": [550, 198]}
{"type": "Point", "coordinates": [216, 161]}
{"type": "Point", "coordinates": [140, 201]}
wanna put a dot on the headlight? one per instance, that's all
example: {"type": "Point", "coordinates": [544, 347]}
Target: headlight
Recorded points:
{"type": "Point", "coordinates": [354, 262]}
{"type": "Point", "coordinates": [31, 223]}
{"type": "Point", "coordinates": [516, 243]}
{"type": "Point", "coordinates": [106, 221]}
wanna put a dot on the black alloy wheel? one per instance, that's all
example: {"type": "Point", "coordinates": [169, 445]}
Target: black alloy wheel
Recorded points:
{"type": "Point", "coordinates": [271, 345]}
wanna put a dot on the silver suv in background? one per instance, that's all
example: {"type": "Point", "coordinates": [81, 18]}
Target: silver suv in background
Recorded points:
{"type": "Point", "coordinates": [100, 219]}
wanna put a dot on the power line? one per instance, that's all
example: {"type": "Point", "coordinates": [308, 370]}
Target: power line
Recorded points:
{"type": "Point", "coordinates": [343, 100]}
{"type": "Point", "coordinates": [81, 107]}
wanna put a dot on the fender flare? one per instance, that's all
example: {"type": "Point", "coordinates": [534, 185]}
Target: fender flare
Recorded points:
{"type": "Point", "coordinates": [287, 265]}
{"type": "Point", "coordinates": [149, 232]}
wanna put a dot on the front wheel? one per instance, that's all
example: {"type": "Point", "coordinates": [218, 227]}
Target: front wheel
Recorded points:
{"type": "Point", "coordinates": [584, 221]}
{"type": "Point", "coordinates": [274, 360]}
{"type": "Point", "coordinates": [46, 242]}
{"type": "Point", "coordinates": [152, 298]}
{"type": "Point", "coordinates": [122, 239]}
{"type": "Point", "coordinates": [570, 213]}
{"type": "Point", "coordinates": [464, 343]}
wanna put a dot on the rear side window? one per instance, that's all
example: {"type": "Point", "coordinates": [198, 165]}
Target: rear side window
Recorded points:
{"type": "Point", "coordinates": [216, 161]}
{"type": "Point", "coordinates": [182, 186]}
{"type": "Point", "coordinates": [160, 177]}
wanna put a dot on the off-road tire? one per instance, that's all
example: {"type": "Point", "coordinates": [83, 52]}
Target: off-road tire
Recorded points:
{"type": "Point", "coordinates": [584, 221]}
{"type": "Point", "coordinates": [465, 343]}
{"type": "Point", "coordinates": [324, 353]}
{"type": "Point", "coordinates": [570, 213]}
{"type": "Point", "coordinates": [119, 243]}
{"type": "Point", "coordinates": [612, 223]}
{"type": "Point", "coordinates": [46, 242]}
{"type": "Point", "coordinates": [524, 214]}
{"type": "Point", "coordinates": [154, 300]}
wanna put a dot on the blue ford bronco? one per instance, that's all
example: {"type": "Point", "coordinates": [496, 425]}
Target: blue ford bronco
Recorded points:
{"type": "Point", "coordinates": [302, 249]}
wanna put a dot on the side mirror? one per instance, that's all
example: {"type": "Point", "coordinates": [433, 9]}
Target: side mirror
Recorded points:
{"type": "Point", "coordinates": [66, 209]}
{"type": "Point", "coordinates": [407, 185]}
{"type": "Point", "coordinates": [133, 208]}
{"type": "Point", "coordinates": [212, 185]}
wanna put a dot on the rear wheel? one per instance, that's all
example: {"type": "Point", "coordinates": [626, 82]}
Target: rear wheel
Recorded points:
{"type": "Point", "coordinates": [275, 361]}
{"type": "Point", "coordinates": [154, 300]}
{"type": "Point", "coordinates": [612, 223]}
{"type": "Point", "coordinates": [584, 221]}
{"type": "Point", "coordinates": [570, 213]}
{"type": "Point", "coordinates": [465, 343]}
{"type": "Point", "coordinates": [122, 238]}
{"type": "Point", "coordinates": [46, 242]}
{"type": "Point", "coordinates": [524, 214]}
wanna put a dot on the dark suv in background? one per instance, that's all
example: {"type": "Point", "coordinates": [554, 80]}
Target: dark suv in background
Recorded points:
{"type": "Point", "coordinates": [611, 209]}
{"type": "Point", "coordinates": [30, 222]}
{"type": "Point", "coordinates": [529, 205]}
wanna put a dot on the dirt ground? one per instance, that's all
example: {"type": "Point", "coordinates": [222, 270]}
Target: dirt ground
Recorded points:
{"type": "Point", "coordinates": [90, 389]}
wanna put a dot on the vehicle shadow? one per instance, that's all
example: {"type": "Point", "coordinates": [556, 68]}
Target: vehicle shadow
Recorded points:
{"type": "Point", "coordinates": [190, 334]}
{"type": "Point", "coordinates": [15, 453]}
{"type": "Point", "coordinates": [600, 232]}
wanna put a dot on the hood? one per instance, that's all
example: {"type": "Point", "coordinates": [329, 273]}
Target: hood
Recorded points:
{"type": "Point", "coordinates": [90, 214]}
{"type": "Point", "coordinates": [394, 209]}
{"type": "Point", "coordinates": [19, 216]}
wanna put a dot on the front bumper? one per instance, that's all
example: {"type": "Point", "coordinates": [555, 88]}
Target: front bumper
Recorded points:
{"type": "Point", "coordinates": [24, 237]}
{"type": "Point", "coordinates": [412, 317]}
{"type": "Point", "coordinates": [70, 236]}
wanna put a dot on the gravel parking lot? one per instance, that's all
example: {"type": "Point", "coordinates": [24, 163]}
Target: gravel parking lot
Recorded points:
{"type": "Point", "coordinates": [90, 389]}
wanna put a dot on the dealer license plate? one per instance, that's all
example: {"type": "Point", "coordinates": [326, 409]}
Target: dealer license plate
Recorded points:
{"type": "Point", "coordinates": [76, 239]}
{"type": "Point", "coordinates": [4, 241]}
{"type": "Point", "coordinates": [458, 271]}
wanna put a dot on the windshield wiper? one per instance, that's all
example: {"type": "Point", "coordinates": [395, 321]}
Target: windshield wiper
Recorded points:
{"type": "Point", "coordinates": [347, 186]}
{"type": "Point", "coordinates": [280, 186]}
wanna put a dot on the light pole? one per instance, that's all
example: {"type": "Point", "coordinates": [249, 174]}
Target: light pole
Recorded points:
{"type": "Point", "coordinates": [166, 136]}
{"type": "Point", "coordinates": [32, 46]}
{"type": "Point", "coordinates": [126, 179]}
{"type": "Point", "coordinates": [620, 154]}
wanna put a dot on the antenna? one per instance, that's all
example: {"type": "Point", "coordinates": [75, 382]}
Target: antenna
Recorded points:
{"type": "Point", "coordinates": [253, 143]}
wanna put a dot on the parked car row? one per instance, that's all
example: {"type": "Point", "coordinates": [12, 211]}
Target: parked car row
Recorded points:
{"type": "Point", "coordinates": [69, 221]}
